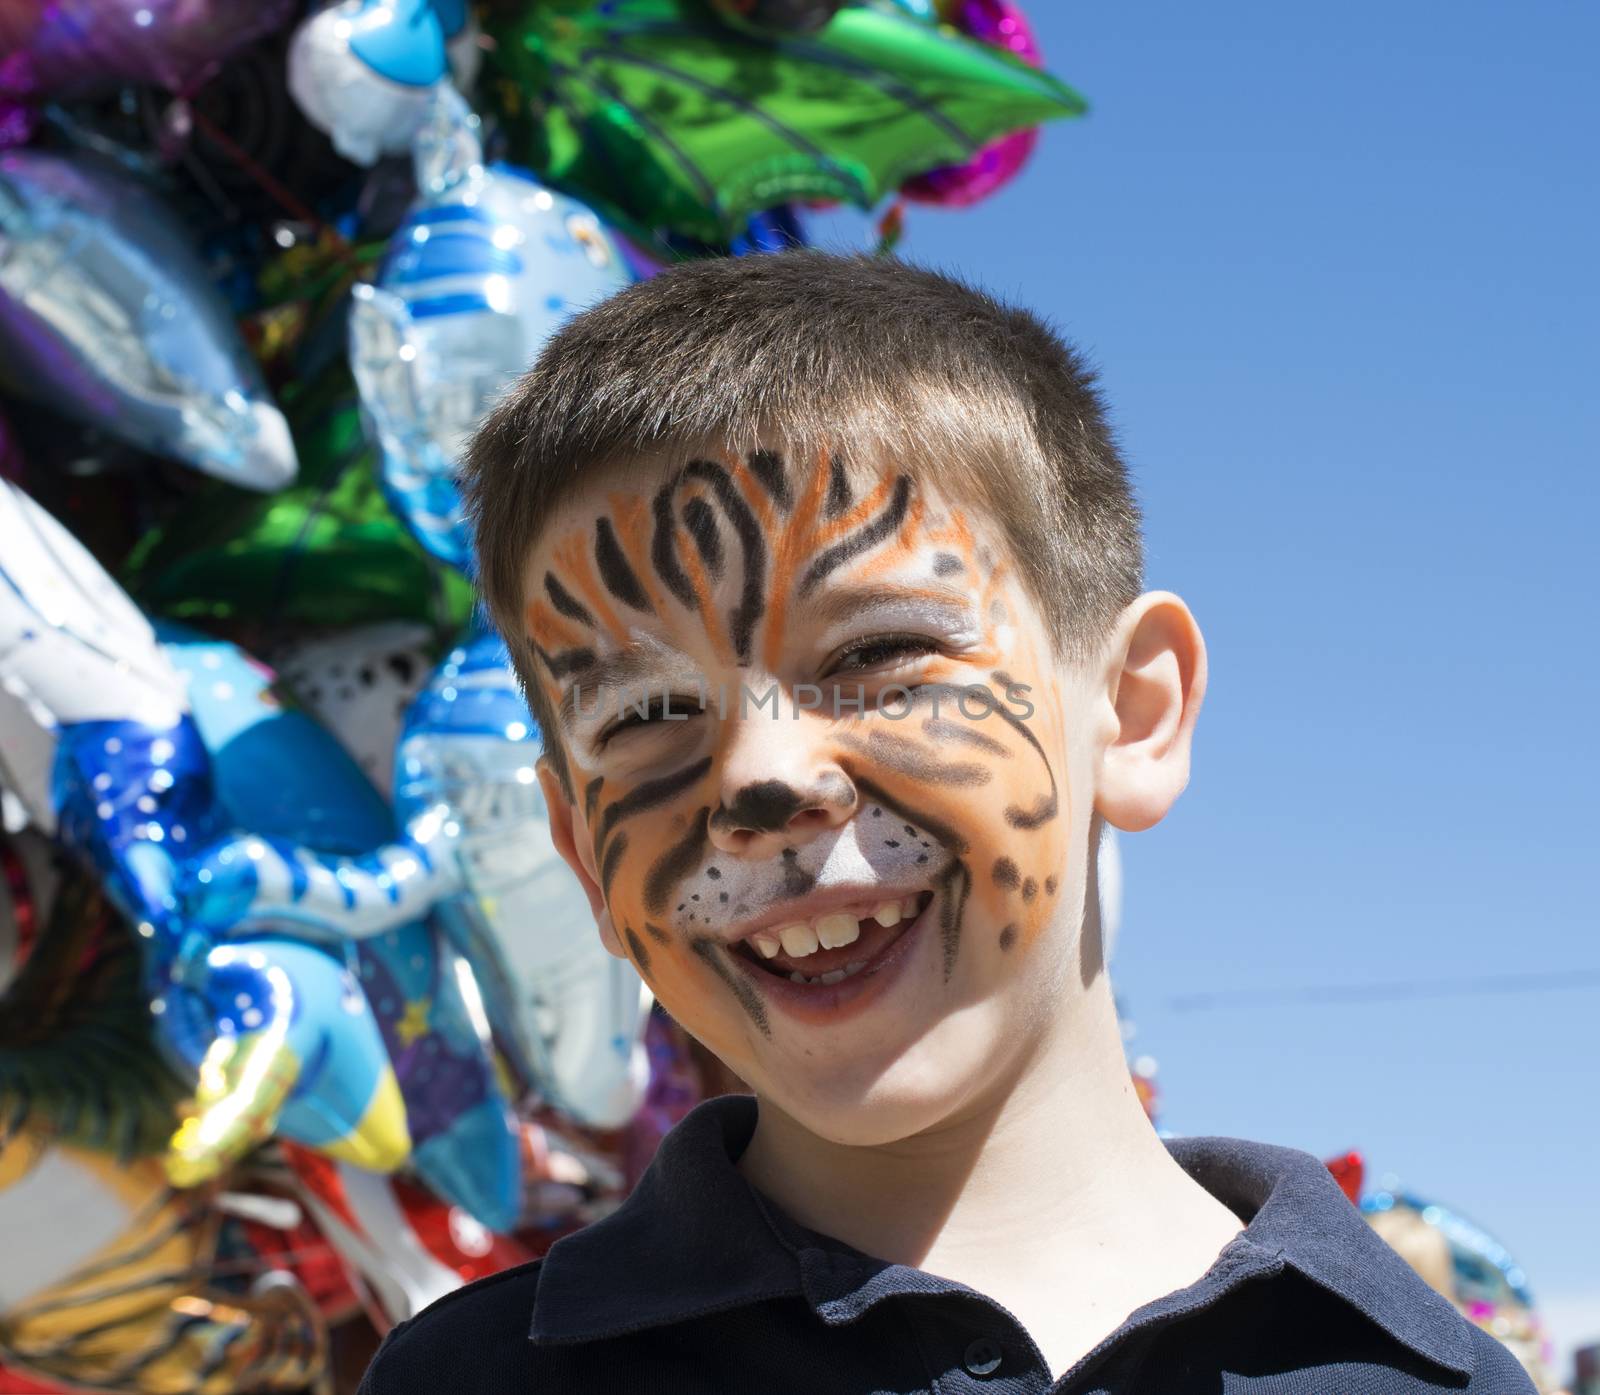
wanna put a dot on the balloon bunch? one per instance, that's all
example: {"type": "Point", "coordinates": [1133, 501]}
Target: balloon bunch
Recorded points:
{"type": "Point", "coordinates": [1469, 1267]}
{"type": "Point", "coordinates": [300, 1015]}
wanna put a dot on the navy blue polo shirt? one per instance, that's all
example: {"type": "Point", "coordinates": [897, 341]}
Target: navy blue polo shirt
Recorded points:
{"type": "Point", "coordinates": [698, 1283]}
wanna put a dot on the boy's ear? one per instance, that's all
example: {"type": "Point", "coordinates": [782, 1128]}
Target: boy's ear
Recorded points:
{"type": "Point", "coordinates": [571, 840]}
{"type": "Point", "coordinates": [1155, 682]}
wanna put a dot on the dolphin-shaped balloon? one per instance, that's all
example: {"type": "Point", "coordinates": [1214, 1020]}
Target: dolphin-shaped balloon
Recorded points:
{"type": "Point", "coordinates": [108, 316]}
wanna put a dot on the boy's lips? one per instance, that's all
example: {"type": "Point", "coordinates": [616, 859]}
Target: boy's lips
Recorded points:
{"type": "Point", "coordinates": [868, 966]}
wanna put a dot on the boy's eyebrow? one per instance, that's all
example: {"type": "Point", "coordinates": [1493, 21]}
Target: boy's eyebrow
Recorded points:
{"type": "Point", "coordinates": [842, 606]}
{"type": "Point", "coordinates": [635, 660]}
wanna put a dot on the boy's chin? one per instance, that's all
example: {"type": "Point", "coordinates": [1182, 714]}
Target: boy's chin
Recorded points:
{"type": "Point", "coordinates": [927, 1083]}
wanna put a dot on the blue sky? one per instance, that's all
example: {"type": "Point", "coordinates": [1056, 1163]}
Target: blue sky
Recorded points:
{"type": "Point", "coordinates": [1339, 268]}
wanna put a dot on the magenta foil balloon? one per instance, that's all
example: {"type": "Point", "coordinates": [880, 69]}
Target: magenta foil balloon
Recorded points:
{"type": "Point", "coordinates": [1002, 25]}
{"type": "Point", "coordinates": [55, 48]}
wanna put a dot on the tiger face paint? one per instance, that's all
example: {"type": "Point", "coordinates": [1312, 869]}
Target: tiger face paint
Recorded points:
{"type": "Point", "coordinates": [817, 752]}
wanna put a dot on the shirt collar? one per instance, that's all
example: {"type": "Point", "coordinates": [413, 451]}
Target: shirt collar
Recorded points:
{"type": "Point", "coordinates": [695, 1238]}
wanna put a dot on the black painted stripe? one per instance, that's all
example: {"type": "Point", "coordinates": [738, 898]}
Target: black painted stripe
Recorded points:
{"type": "Point", "coordinates": [767, 466]}
{"type": "Point", "coordinates": [865, 538]}
{"type": "Point", "coordinates": [565, 602]}
{"type": "Point", "coordinates": [664, 546]}
{"type": "Point", "coordinates": [651, 794]}
{"type": "Point", "coordinates": [591, 796]}
{"type": "Point", "coordinates": [839, 493]}
{"type": "Point", "coordinates": [655, 932]}
{"type": "Point", "coordinates": [753, 599]}
{"type": "Point", "coordinates": [615, 571]}
{"type": "Point", "coordinates": [952, 907]}
{"type": "Point", "coordinates": [568, 661]}
{"type": "Point", "coordinates": [1049, 805]}
{"type": "Point", "coordinates": [702, 526]}
{"type": "Point", "coordinates": [675, 863]}
{"type": "Point", "coordinates": [941, 729]}
{"type": "Point", "coordinates": [613, 857]}
{"type": "Point", "coordinates": [740, 986]}
{"type": "Point", "coordinates": [952, 841]}
{"type": "Point", "coordinates": [907, 758]}
{"type": "Point", "coordinates": [641, 956]}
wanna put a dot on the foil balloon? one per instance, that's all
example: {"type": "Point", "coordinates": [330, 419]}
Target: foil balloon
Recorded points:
{"type": "Point", "coordinates": [74, 651]}
{"type": "Point", "coordinates": [483, 270]}
{"type": "Point", "coordinates": [1469, 1267]}
{"type": "Point", "coordinates": [777, 16]}
{"type": "Point", "coordinates": [327, 553]}
{"type": "Point", "coordinates": [57, 48]}
{"type": "Point", "coordinates": [1002, 25]}
{"type": "Point", "coordinates": [107, 315]}
{"type": "Point", "coordinates": [364, 71]}
{"type": "Point", "coordinates": [576, 1014]}
{"type": "Point", "coordinates": [667, 123]}
{"type": "Point", "coordinates": [1108, 885]}
{"type": "Point", "coordinates": [404, 1247]}
{"type": "Point", "coordinates": [358, 683]}
{"type": "Point", "coordinates": [322, 862]}
{"type": "Point", "coordinates": [101, 746]}
{"type": "Point", "coordinates": [111, 1281]}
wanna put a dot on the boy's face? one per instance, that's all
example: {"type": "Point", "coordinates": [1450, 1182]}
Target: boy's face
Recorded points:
{"type": "Point", "coordinates": [815, 730]}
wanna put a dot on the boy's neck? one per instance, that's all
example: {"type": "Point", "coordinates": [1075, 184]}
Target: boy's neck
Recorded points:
{"type": "Point", "coordinates": [1013, 1196]}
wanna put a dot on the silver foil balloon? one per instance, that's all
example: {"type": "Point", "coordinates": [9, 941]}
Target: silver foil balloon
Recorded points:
{"type": "Point", "coordinates": [365, 71]}
{"type": "Point", "coordinates": [486, 266]}
{"type": "Point", "coordinates": [108, 316]}
{"type": "Point", "coordinates": [576, 1013]}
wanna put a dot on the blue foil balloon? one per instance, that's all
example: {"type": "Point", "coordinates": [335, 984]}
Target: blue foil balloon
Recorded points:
{"type": "Point", "coordinates": [364, 71]}
{"type": "Point", "coordinates": [483, 270]}
{"type": "Point", "coordinates": [108, 316]}
{"type": "Point", "coordinates": [575, 1013]}
{"type": "Point", "coordinates": [322, 862]}
{"type": "Point", "coordinates": [100, 746]}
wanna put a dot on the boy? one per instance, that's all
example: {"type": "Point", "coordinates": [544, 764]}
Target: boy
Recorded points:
{"type": "Point", "coordinates": [823, 576]}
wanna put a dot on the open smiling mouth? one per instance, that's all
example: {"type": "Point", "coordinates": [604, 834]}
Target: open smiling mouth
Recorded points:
{"type": "Point", "coordinates": [838, 945]}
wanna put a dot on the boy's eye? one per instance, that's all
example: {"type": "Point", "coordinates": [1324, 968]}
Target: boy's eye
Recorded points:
{"type": "Point", "coordinates": [881, 650]}
{"type": "Point", "coordinates": [665, 707]}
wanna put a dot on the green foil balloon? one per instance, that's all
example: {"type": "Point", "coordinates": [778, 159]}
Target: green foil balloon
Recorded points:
{"type": "Point", "coordinates": [670, 120]}
{"type": "Point", "coordinates": [328, 552]}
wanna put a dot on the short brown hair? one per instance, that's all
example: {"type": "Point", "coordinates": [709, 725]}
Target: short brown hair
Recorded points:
{"type": "Point", "coordinates": [864, 355]}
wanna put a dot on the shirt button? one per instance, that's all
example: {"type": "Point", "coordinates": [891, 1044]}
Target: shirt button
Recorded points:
{"type": "Point", "coordinates": [982, 1356]}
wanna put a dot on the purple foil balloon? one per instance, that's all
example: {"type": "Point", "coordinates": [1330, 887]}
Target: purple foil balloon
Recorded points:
{"type": "Point", "coordinates": [51, 48]}
{"type": "Point", "coordinates": [1000, 24]}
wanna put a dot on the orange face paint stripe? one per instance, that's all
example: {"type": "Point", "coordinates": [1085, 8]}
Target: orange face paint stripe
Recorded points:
{"type": "Point", "coordinates": [787, 554]}
{"type": "Point", "coordinates": [551, 631]}
{"type": "Point", "coordinates": [689, 560]}
{"type": "Point", "coordinates": [630, 517]}
{"type": "Point", "coordinates": [572, 557]}
{"type": "Point", "coordinates": [889, 553]}
{"type": "Point", "coordinates": [755, 495]}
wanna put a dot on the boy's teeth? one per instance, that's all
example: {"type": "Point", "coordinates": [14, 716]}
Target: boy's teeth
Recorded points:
{"type": "Point", "coordinates": [798, 939]}
{"type": "Point", "coordinates": [837, 929]}
{"type": "Point", "coordinates": [829, 931]}
{"type": "Point", "coordinates": [855, 966]}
